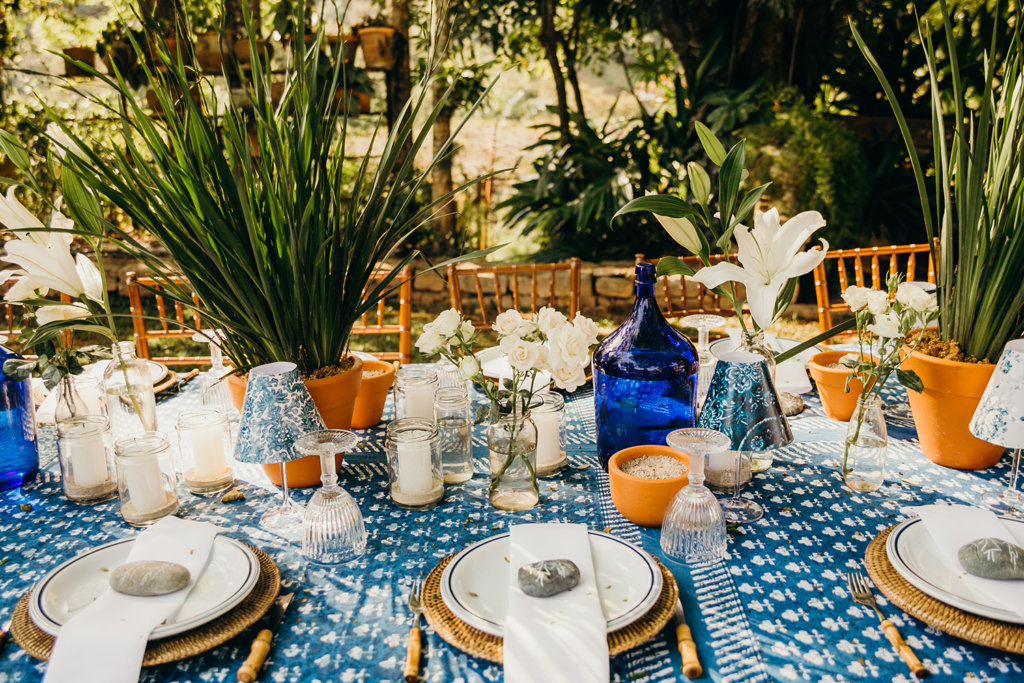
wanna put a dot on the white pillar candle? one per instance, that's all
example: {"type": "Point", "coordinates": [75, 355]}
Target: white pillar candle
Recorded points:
{"type": "Point", "coordinates": [145, 485]}
{"type": "Point", "coordinates": [724, 460]}
{"type": "Point", "coordinates": [88, 457]}
{"type": "Point", "coordinates": [415, 469]}
{"type": "Point", "coordinates": [419, 400]}
{"type": "Point", "coordinates": [208, 452]}
{"type": "Point", "coordinates": [549, 446]}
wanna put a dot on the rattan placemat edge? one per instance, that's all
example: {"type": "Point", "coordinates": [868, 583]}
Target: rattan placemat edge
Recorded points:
{"type": "Point", "coordinates": [479, 644]}
{"type": "Point", "coordinates": [948, 619]}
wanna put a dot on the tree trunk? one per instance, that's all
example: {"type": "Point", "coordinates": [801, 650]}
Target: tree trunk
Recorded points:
{"type": "Point", "coordinates": [399, 80]}
{"type": "Point", "coordinates": [441, 178]}
{"type": "Point", "coordinates": [549, 39]}
{"type": "Point", "coordinates": [570, 47]}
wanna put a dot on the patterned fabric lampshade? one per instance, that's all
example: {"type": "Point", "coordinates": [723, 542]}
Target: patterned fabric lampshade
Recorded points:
{"type": "Point", "coordinates": [742, 404]}
{"type": "Point", "coordinates": [277, 410]}
{"type": "Point", "coordinates": [999, 418]}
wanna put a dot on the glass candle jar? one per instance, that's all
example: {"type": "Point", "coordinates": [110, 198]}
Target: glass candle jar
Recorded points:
{"type": "Point", "coordinates": [145, 478]}
{"type": "Point", "coordinates": [415, 475]}
{"type": "Point", "coordinates": [720, 471]}
{"type": "Point", "coordinates": [131, 403]}
{"type": "Point", "coordinates": [454, 420]}
{"type": "Point", "coordinates": [414, 392]}
{"type": "Point", "coordinates": [85, 446]}
{"type": "Point", "coordinates": [448, 374]}
{"type": "Point", "coordinates": [204, 442]}
{"type": "Point", "coordinates": [549, 417]}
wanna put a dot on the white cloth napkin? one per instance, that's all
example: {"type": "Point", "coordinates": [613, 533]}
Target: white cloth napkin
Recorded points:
{"type": "Point", "coordinates": [105, 642]}
{"type": "Point", "coordinates": [564, 637]}
{"type": "Point", "coordinates": [954, 526]}
{"type": "Point", "coordinates": [791, 376]}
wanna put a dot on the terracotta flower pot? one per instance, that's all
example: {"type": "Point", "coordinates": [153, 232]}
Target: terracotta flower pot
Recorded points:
{"type": "Point", "coordinates": [213, 53]}
{"type": "Point", "coordinates": [373, 393]}
{"type": "Point", "coordinates": [334, 397]}
{"type": "Point", "coordinates": [242, 50]}
{"type": "Point", "coordinates": [837, 404]}
{"type": "Point", "coordinates": [644, 501]}
{"type": "Point", "coordinates": [943, 410]}
{"type": "Point", "coordinates": [80, 54]}
{"type": "Point", "coordinates": [378, 44]}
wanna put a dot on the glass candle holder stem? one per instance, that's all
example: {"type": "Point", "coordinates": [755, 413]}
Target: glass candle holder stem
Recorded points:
{"type": "Point", "coordinates": [1007, 501]}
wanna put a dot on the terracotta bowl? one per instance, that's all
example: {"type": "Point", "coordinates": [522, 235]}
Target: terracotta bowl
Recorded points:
{"type": "Point", "coordinates": [644, 501]}
{"type": "Point", "coordinates": [373, 392]}
{"type": "Point", "coordinates": [837, 404]}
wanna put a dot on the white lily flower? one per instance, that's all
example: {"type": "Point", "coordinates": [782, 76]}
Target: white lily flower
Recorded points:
{"type": "Point", "coordinates": [89, 274]}
{"type": "Point", "coordinates": [64, 142]}
{"type": "Point", "coordinates": [22, 287]}
{"type": "Point", "coordinates": [62, 312]}
{"type": "Point", "coordinates": [770, 256]}
{"type": "Point", "coordinates": [51, 265]}
{"type": "Point", "coordinates": [682, 231]}
{"type": "Point", "coordinates": [16, 217]}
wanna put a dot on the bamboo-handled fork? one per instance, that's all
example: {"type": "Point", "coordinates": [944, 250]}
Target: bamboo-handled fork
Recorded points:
{"type": "Point", "coordinates": [412, 651]}
{"type": "Point", "coordinates": [862, 595]}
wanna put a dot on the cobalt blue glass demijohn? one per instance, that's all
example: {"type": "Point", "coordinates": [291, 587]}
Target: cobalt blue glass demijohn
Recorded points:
{"type": "Point", "coordinates": [645, 377]}
{"type": "Point", "coordinates": [19, 453]}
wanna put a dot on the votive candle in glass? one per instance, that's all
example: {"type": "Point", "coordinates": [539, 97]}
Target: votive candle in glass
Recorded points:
{"type": "Point", "coordinates": [454, 420]}
{"type": "Point", "coordinates": [86, 452]}
{"type": "Point", "coordinates": [414, 391]}
{"type": "Point", "coordinates": [415, 475]}
{"type": "Point", "coordinates": [204, 442]}
{"type": "Point", "coordinates": [549, 417]}
{"type": "Point", "coordinates": [145, 482]}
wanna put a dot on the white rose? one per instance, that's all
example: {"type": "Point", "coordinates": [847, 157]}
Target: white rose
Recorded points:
{"type": "Point", "coordinates": [878, 301]}
{"type": "Point", "coordinates": [549, 318]}
{"type": "Point", "coordinates": [572, 343]}
{"type": "Point", "coordinates": [523, 355]}
{"type": "Point", "coordinates": [506, 343]}
{"type": "Point", "coordinates": [915, 298]}
{"type": "Point", "coordinates": [569, 377]}
{"type": "Point", "coordinates": [586, 326]}
{"type": "Point", "coordinates": [49, 314]}
{"type": "Point", "coordinates": [469, 367]}
{"type": "Point", "coordinates": [886, 326]}
{"type": "Point", "coordinates": [467, 329]}
{"type": "Point", "coordinates": [430, 342]}
{"type": "Point", "coordinates": [856, 297]}
{"type": "Point", "coordinates": [507, 323]}
{"type": "Point", "coordinates": [447, 323]}
{"type": "Point", "coordinates": [543, 356]}
{"type": "Point", "coordinates": [526, 329]}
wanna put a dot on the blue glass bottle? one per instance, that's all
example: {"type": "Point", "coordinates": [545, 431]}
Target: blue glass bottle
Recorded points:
{"type": "Point", "coordinates": [645, 377]}
{"type": "Point", "coordinates": [19, 452]}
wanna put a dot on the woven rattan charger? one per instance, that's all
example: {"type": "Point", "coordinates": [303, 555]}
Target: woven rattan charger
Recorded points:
{"type": "Point", "coordinates": [479, 644]}
{"type": "Point", "coordinates": [955, 622]}
{"type": "Point", "coordinates": [198, 640]}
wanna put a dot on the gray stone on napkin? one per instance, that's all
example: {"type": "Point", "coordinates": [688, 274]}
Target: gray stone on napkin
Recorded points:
{"type": "Point", "coordinates": [992, 558]}
{"type": "Point", "coordinates": [149, 578]}
{"type": "Point", "coordinates": [548, 577]}
{"type": "Point", "coordinates": [791, 404]}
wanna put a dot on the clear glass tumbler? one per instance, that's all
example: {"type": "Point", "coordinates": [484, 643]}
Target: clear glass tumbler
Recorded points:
{"type": "Point", "coordinates": [332, 530]}
{"type": "Point", "coordinates": [454, 420]}
{"type": "Point", "coordinates": [694, 526]}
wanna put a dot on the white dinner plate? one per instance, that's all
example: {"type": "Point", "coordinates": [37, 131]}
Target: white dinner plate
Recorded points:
{"type": "Point", "coordinates": [157, 371]}
{"type": "Point", "coordinates": [727, 344]}
{"type": "Point", "coordinates": [229, 577]}
{"type": "Point", "coordinates": [475, 583]}
{"type": "Point", "coordinates": [915, 556]}
{"type": "Point", "coordinates": [362, 355]}
{"type": "Point", "coordinates": [494, 365]}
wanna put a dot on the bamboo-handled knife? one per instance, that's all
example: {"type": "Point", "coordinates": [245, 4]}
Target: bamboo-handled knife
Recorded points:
{"type": "Point", "coordinates": [687, 648]}
{"type": "Point", "coordinates": [261, 646]}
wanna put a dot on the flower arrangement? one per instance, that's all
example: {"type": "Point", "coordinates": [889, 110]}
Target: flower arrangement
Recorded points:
{"type": "Point", "coordinates": [885, 316]}
{"type": "Point", "coordinates": [547, 342]}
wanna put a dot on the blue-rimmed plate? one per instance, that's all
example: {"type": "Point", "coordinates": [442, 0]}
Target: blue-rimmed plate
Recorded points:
{"type": "Point", "coordinates": [229, 576]}
{"type": "Point", "coordinates": [475, 583]}
{"type": "Point", "coordinates": [915, 556]}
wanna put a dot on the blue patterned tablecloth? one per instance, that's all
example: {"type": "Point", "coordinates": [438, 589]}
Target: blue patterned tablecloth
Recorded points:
{"type": "Point", "coordinates": [777, 608]}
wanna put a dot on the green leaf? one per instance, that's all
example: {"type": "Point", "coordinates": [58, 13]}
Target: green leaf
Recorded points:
{"type": "Point", "coordinates": [661, 204]}
{"type": "Point", "coordinates": [14, 150]}
{"type": "Point", "coordinates": [828, 334]}
{"type": "Point", "coordinates": [910, 380]}
{"type": "Point", "coordinates": [728, 191]}
{"type": "Point", "coordinates": [52, 376]}
{"type": "Point", "coordinates": [670, 265]}
{"type": "Point", "coordinates": [482, 413]}
{"type": "Point", "coordinates": [18, 369]}
{"type": "Point", "coordinates": [749, 200]}
{"type": "Point", "coordinates": [712, 147]}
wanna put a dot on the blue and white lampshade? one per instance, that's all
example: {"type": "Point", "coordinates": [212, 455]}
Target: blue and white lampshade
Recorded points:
{"type": "Point", "coordinates": [742, 404]}
{"type": "Point", "coordinates": [999, 418]}
{"type": "Point", "coordinates": [277, 410]}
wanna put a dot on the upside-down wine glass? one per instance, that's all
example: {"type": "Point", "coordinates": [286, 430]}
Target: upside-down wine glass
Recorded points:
{"type": "Point", "coordinates": [332, 531]}
{"type": "Point", "coordinates": [740, 510]}
{"type": "Point", "coordinates": [694, 527]}
{"type": "Point", "coordinates": [703, 323]}
{"type": "Point", "coordinates": [288, 515]}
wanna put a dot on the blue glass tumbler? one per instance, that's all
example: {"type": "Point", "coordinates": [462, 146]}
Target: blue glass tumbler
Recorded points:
{"type": "Point", "coordinates": [19, 453]}
{"type": "Point", "coordinates": [645, 377]}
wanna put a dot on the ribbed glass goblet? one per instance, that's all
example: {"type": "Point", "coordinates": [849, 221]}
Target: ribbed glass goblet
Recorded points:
{"type": "Point", "coordinates": [694, 527]}
{"type": "Point", "coordinates": [332, 530]}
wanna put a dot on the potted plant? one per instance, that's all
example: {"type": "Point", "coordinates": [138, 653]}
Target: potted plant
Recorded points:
{"type": "Point", "coordinates": [277, 244]}
{"type": "Point", "coordinates": [377, 41]}
{"type": "Point", "coordinates": [980, 255]}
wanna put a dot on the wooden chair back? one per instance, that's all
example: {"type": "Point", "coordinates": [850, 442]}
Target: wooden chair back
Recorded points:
{"type": "Point", "coordinates": [499, 277]}
{"type": "Point", "coordinates": [865, 260]}
{"type": "Point", "coordinates": [147, 329]}
{"type": "Point", "coordinates": [681, 297]}
{"type": "Point", "coordinates": [403, 328]}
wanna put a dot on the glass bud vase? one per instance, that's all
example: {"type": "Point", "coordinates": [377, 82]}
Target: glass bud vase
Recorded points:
{"type": "Point", "coordinates": [645, 377]}
{"type": "Point", "coordinates": [78, 396]}
{"type": "Point", "coordinates": [128, 386]}
{"type": "Point", "coordinates": [866, 445]}
{"type": "Point", "coordinates": [512, 452]}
